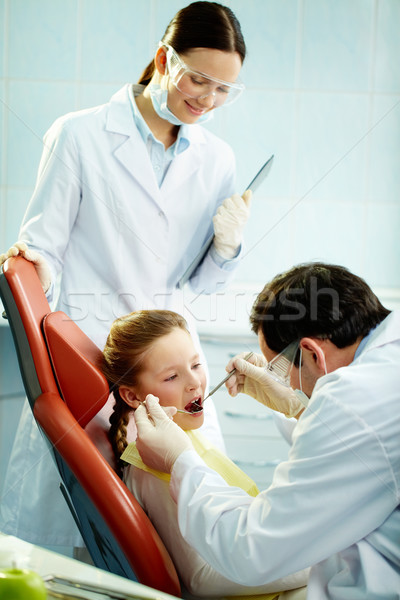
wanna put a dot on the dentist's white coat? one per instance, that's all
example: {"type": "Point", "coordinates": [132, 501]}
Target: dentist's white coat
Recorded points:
{"type": "Point", "coordinates": [122, 242]}
{"type": "Point", "coordinates": [334, 505]}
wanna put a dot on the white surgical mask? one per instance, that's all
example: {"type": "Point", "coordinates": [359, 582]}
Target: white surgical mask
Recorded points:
{"type": "Point", "coordinates": [159, 99]}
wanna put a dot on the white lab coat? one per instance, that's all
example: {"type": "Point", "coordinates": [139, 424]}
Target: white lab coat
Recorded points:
{"type": "Point", "coordinates": [98, 215]}
{"type": "Point", "coordinates": [197, 576]}
{"type": "Point", "coordinates": [334, 504]}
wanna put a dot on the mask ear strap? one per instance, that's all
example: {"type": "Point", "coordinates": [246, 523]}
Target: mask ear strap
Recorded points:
{"type": "Point", "coordinates": [325, 369]}
{"type": "Point", "coordinates": [300, 359]}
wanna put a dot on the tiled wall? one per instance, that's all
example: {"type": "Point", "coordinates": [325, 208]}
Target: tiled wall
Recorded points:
{"type": "Point", "coordinates": [323, 95]}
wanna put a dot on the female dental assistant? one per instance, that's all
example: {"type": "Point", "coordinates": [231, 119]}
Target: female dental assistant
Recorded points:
{"type": "Point", "coordinates": [125, 196]}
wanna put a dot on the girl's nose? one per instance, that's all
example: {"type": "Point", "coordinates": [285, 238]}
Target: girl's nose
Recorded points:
{"type": "Point", "coordinates": [193, 382]}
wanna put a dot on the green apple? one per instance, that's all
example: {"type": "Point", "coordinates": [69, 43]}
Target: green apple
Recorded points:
{"type": "Point", "coordinates": [21, 584]}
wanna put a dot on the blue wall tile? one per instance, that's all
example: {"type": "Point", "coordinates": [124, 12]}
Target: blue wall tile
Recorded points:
{"type": "Point", "coordinates": [3, 104]}
{"type": "Point", "coordinates": [266, 127]}
{"type": "Point", "coordinates": [114, 40]}
{"type": "Point", "coordinates": [323, 94]}
{"type": "Point", "coordinates": [93, 94]}
{"type": "Point", "coordinates": [43, 39]}
{"type": "Point", "coordinates": [270, 32]}
{"type": "Point", "coordinates": [332, 145]}
{"type": "Point", "coordinates": [382, 244]}
{"type": "Point", "coordinates": [33, 108]}
{"type": "Point", "coordinates": [331, 232]}
{"type": "Point", "coordinates": [3, 36]}
{"type": "Point", "coordinates": [387, 64]}
{"type": "Point", "coordinates": [268, 237]}
{"type": "Point", "coordinates": [16, 201]}
{"type": "Point", "coordinates": [384, 171]}
{"type": "Point", "coordinates": [336, 40]}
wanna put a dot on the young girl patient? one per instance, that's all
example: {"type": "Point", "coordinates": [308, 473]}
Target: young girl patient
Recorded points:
{"type": "Point", "coordinates": [147, 352]}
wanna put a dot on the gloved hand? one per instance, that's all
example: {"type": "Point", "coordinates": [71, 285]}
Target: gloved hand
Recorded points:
{"type": "Point", "coordinates": [41, 266]}
{"type": "Point", "coordinates": [252, 379]}
{"type": "Point", "coordinates": [229, 222]}
{"type": "Point", "coordinates": [159, 440]}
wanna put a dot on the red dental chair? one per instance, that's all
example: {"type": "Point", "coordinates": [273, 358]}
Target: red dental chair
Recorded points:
{"type": "Point", "coordinates": [66, 389]}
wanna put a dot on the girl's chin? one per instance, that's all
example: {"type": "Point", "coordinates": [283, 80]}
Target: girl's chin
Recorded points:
{"type": "Point", "coordinates": [189, 421]}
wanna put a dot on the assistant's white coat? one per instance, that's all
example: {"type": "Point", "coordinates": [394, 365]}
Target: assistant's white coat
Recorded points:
{"type": "Point", "coordinates": [122, 243]}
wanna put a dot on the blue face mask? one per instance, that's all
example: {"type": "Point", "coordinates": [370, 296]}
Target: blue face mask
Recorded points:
{"type": "Point", "coordinates": [159, 99]}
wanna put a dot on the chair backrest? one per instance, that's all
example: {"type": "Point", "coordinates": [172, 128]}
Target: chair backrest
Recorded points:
{"type": "Point", "coordinates": [65, 388]}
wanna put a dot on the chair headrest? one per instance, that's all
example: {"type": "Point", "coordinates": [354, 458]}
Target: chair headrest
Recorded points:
{"type": "Point", "coordinates": [76, 363]}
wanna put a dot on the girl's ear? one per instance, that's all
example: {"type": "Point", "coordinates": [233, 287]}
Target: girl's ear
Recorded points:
{"type": "Point", "coordinates": [160, 60]}
{"type": "Point", "coordinates": [128, 395]}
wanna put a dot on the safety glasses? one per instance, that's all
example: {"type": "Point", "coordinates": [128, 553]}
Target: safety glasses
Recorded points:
{"type": "Point", "coordinates": [280, 367]}
{"type": "Point", "coordinates": [199, 85]}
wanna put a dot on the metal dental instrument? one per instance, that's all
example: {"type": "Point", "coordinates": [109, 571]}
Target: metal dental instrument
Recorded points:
{"type": "Point", "coordinates": [225, 379]}
{"type": "Point", "coordinates": [177, 410]}
{"type": "Point", "coordinates": [212, 391]}
{"type": "Point", "coordinates": [253, 186]}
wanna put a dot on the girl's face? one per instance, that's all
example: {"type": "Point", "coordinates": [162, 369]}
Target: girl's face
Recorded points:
{"type": "Point", "coordinates": [215, 63]}
{"type": "Point", "coordinates": [172, 371]}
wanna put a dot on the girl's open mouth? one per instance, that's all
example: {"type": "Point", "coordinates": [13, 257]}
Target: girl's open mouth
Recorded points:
{"type": "Point", "coordinates": [194, 406]}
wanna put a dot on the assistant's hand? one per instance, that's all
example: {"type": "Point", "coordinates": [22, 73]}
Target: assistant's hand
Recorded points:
{"type": "Point", "coordinates": [229, 222]}
{"type": "Point", "coordinates": [159, 440]}
{"type": "Point", "coordinates": [252, 379]}
{"type": "Point", "coordinates": [41, 266]}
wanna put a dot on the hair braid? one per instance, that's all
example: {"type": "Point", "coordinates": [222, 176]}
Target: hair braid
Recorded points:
{"type": "Point", "coordinates": [117, 434]}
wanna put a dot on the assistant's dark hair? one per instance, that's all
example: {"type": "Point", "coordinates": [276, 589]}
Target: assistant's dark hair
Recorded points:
{"type": "Point", "coordinates": [316, 300]}
{"type": "Point", "coordinates": [201, 25]}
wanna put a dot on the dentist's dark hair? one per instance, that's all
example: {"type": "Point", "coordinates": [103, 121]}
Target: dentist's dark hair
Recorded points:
{"type": "Point", "coordinates": [201, 25]}
{"type": "Point", "coordinates": [317, 300]}
{"type": "Point", "coordinates": [130, 339]}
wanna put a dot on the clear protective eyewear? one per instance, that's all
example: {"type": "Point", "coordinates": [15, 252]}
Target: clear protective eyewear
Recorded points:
{"type": "Point", "coordinates": [280, 367]}
{"type": "Point", "coordinates": [197, 85]}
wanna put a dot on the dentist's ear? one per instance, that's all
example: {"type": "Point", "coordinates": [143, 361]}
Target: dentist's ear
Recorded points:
{"type": "Point", "coordinates": [129, 396]}
{"type": "Point", "coordinates": [311, 349]}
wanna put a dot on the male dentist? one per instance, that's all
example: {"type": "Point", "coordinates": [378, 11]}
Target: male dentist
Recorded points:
{"type": "Point", "coordinates": [334, 504]}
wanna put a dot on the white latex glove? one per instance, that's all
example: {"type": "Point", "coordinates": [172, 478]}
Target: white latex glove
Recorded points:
{"type": "Point", "coordinates": [159, 440]}
{"type": "Point", "coordinates": [252, 379]}
{"type": "Point", "coordinates": [41, 266]}
{"type": "Point", "coordinates": [229, 222]}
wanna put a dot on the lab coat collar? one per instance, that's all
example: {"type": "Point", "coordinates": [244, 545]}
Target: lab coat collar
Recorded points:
{"type": "Point", "coordinates": [385, 333]}
{"type": "Point", "coordinates": [120, 120]}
